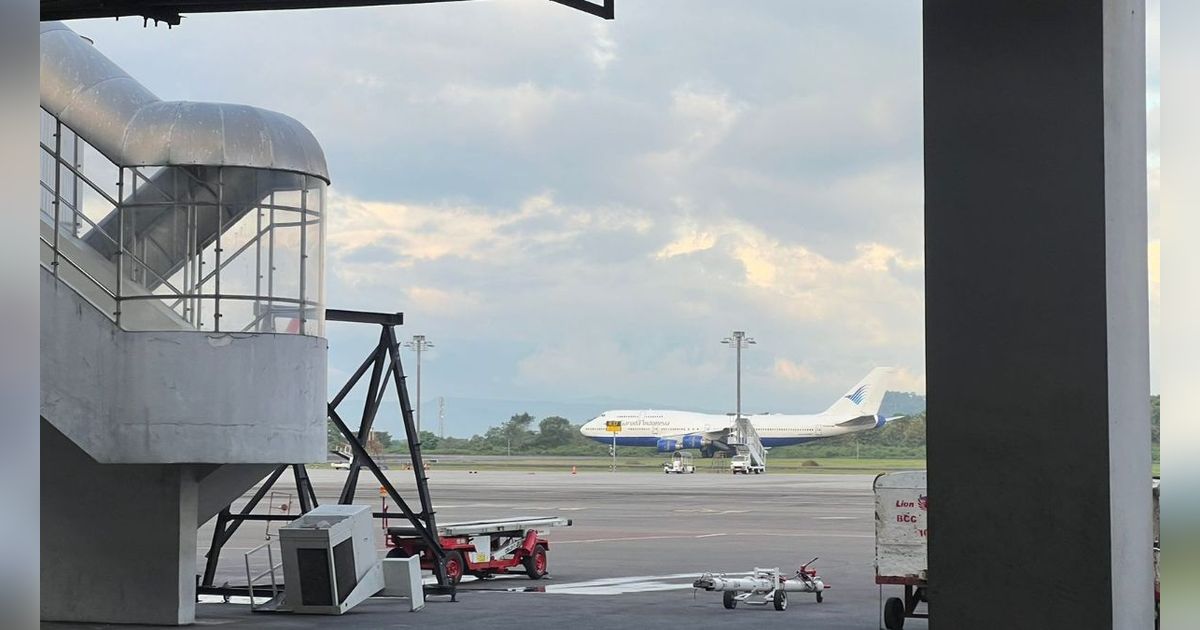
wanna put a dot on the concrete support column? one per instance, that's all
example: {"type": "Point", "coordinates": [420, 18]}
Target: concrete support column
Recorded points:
{"type": "Point", "coordinates": [1036, 314]}
{"type": "Point", "coordinates": [118, 541]}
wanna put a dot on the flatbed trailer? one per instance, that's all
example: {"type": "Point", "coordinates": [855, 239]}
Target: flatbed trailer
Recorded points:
{"type": "Point", "coordinates": [482, 548]}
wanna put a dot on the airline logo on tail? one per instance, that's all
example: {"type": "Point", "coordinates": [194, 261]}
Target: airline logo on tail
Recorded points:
{"type": "Point", "coordinates": [858, 395]}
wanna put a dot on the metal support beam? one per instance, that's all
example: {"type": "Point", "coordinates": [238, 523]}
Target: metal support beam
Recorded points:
{"type": "Point", "coordinates": [304, 489]}
{"type": "Point", "coordinates": [384, 362]}
{"type": "Point", "coordinates": [227, 524]}
{"type": "Point", "coordinates": [368, 420]}
{"type": "Point", "coordinates": [1036, 313]}
{"type": "Point", "coordinates": [364, 317]}
{"type": "Point", "coordinates": [427, 534]}
{"type": "Point", "coordinates": [171, 12]}
{"type": "Point", "coordinates": [412, 434]}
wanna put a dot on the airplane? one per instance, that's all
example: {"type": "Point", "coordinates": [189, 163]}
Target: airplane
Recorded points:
{"type": "Point", "coordinates": [669, 431]}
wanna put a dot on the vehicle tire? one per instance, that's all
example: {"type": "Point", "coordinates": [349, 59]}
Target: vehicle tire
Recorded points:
{"type": "Point", "coordinates": [893, 614]}
{"type": "Point", "coordinates": [535, 563]}
{"type": "Point", "coordinates": [397, 552]}
{"type": "Point", "coordinates": [780, 600]}
{"type": "Point", "coordinates": [728, 601]}
{"type": "Point", "coordinates": [820, 597]}
{"type": "Point", "coordinates": [454, 567]}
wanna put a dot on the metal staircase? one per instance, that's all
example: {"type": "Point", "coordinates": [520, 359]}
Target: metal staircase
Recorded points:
{"type": "Point", "coordinates": [745, 440]}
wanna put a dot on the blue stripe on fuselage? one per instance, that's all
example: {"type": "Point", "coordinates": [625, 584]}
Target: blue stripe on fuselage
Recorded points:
{"type": "Point", "coordinates": [652, 441]}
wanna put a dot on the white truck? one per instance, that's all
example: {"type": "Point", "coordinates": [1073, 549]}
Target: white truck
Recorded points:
{"type": "Point", "coordinates": [742, 463]}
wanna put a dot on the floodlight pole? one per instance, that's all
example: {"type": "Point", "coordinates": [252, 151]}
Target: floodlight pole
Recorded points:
{"type": "Point", "coordinates": [737, 341]}
{"type": "Point", "coordinates": [419, 344]}
{"type": "Point", "coordinates": [737, 409]}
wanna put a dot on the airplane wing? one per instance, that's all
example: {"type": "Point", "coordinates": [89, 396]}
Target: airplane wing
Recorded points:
{"type": "Point", "coordinates": [719, 435]}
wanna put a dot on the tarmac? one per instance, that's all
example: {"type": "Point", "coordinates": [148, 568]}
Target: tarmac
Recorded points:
{"type": "Point", "coordinates": [637, 542]}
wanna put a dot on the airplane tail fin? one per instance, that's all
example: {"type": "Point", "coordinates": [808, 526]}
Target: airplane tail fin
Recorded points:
{"type": "Point", "coordinates": [864, 398]}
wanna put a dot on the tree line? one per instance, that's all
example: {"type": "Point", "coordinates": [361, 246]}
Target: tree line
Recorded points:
{"type": "Point", "coordinates": [523, 434]}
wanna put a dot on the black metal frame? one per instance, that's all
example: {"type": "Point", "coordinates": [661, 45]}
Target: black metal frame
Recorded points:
{"type": "Point", "coordinates": [169, 11]}
{"type": "Point", "coordinates": [385, 356]}
{"type": "Point", "coordinates": [914, 595]}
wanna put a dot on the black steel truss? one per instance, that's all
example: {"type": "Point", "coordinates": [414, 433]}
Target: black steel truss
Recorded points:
{"type": "Point", "coordinates": [170, 11]}
{"type": "Point", "coordinates": [385, 365]}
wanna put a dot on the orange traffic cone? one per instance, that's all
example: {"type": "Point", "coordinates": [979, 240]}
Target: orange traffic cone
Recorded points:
{"type": "Point", "coordinates": [572, 470]}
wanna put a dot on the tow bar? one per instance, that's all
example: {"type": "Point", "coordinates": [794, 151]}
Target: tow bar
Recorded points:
{"type": "Point", "coordinates": [763, 586]}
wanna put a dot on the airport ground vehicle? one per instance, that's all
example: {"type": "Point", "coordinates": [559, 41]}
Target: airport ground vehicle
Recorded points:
{"type": "Point", "coordinates": [1157, 542]}
{"type": "Point", "coordinates": [741, 463]}
{"type": "Point", "coordinates": [901, 543]}
{"type": "Point", "coordinates": [763, 586]}
{"type": "Point", "coordinates": [681, 463]}
{"type": "Point", "coordinates": [482, 548]}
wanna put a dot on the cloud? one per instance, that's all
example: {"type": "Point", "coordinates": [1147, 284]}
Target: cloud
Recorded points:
{"type": "Point", "coordinates": [689, 242]}
{"type": "Point", "coordinates": [699, 120]}
{"type": "Point", "coordinates": [793, 372]}
{"type": "Point", "coordinates": [407, 233]}
{"type": "Point", "coordinates": [437, 301]}
{"type": "Point", "coordinates": [604, 48]}
{"type": "Point", "coordinates": [574, 208]}
{"type": "Point", "coordinates": [907, 380]}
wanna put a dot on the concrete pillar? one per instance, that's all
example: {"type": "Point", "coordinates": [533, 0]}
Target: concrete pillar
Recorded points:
{"type": "Point", "coordinates": [118, 541]}
{"type": "Point", "coordinates": [1036, 314]}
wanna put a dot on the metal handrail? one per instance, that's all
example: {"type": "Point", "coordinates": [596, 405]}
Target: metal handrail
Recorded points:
{"type": "Point", "coordinates": [125, 252]}
{"type": "Point", "coordinates": [224, 296]}
{"type": "Point", "coordinates": [225, 263]}
{"type": "Point", "coordinates": [116, 206]}
{"type": "Point", "coordinates": [174, 296]}
{"type": "Point", "coordinates": [81, 270]}
{"type": "Point", "coordinates": [271, 567]}
{"type": "Point", "coordinates": [79, 174]}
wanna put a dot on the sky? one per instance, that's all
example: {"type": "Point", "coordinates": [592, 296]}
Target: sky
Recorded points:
{"type": "Point", "coordinates": [576, 211]}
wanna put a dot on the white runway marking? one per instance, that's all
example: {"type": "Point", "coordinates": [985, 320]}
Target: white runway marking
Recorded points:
{"type": "Point", "coordinates": [799, 534]}
{"type": "Point", "coordinates": [548, 508]}
{"type": "Point", "coordinates": [617, 586]}
{"type": "Point", "coordinates": [629, 538]}
{"type": "Point", "coordinates": [235, 599]}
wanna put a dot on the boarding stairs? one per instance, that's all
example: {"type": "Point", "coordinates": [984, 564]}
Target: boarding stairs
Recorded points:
{"type": "Point", "coordinates": [744, 439]}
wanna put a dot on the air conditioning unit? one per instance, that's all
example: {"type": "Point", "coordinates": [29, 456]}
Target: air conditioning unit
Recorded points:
{"type": "Point", "coordinates": [329, 560]}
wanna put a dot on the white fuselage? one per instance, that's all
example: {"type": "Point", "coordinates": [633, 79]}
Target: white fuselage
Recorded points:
{"type": "Point", "coordinates": [647, 427]}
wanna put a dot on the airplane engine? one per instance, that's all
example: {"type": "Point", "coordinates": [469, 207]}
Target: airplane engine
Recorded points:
{"type": "Point", "coordinates": [667, 446]}
{"type": "Point", "coordinates": [695, 441]}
